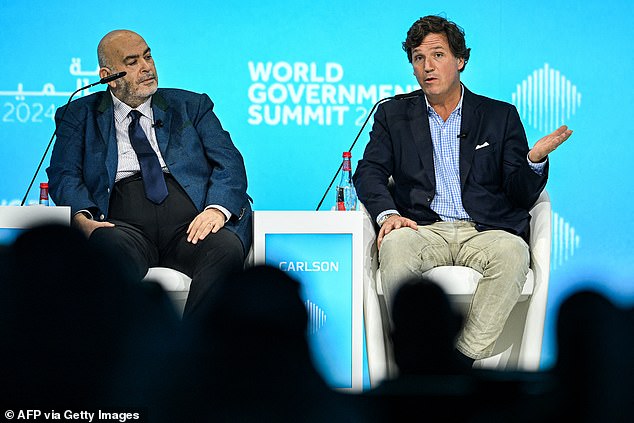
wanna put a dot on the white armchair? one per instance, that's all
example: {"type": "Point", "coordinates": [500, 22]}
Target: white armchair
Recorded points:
{"type": "Point", "coordinates": [175, 284]}
{"type": "Point", "coordinates": [518, 347]}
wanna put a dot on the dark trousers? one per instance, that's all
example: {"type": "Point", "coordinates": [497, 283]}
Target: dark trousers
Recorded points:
{"type": "Point", "coordinates": [148, 235]}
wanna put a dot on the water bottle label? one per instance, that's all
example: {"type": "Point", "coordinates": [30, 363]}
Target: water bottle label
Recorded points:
{"type": "Point", "coordinates": [346, 198]}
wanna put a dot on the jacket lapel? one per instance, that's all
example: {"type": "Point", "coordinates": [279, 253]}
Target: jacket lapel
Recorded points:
{"type": "Point", "coordinates": [161, 111]}
{"type": "Point", "coordinates": [421, 134]}
{"type": "Point", "coordinates": [105, 125]}
{"type": "Point", "coordinates": [469, 129]}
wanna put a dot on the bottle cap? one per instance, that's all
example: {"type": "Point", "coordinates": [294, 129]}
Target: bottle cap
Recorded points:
{"type": "Point", "coordinates": [347, 154]}
{"type": "Point", "coordinates": [43, 185]}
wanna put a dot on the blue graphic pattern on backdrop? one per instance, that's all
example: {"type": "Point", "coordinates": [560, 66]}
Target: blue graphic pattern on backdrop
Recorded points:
{"type": "Point", "coordinates": [546, 99]}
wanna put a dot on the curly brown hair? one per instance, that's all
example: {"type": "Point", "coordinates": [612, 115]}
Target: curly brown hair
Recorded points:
{"type": "Point", "coordinates": [437, 25]}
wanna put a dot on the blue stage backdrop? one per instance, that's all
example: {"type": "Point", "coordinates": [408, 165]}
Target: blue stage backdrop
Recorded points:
{"type": "Point", "coordinates": [293, 80]}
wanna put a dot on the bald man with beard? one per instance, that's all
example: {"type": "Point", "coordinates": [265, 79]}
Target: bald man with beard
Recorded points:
{"type": "Point", "coordinates": [151, 173]}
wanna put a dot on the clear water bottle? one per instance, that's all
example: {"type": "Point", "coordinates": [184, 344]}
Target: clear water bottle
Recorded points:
{"type": "Point", "coordinates": [44, 193]}
{"type": "Point", "coordinates": [346, 194]}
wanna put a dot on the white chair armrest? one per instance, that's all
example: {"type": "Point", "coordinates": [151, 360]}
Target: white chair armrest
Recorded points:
{"type": "Point", "coordinates": [374, 335]}
{"type": "Point", "coordinates": [540, 245]}
{"type": "Point", "coordinates": [171, 280]}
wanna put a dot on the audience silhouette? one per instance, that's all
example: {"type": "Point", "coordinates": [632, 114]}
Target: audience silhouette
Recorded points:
{"type": "Point", "coordinates": [432, 381]}
{"type": "Point", "coordinates": [425, 329]}
{"type": "Point", "coordinates": [76, 329]}
{"type": "Point", "coordinates": [595, 363]}
{"type": "Point", "coordinates": [79, 330]}
{"type": "Point", "coordinates": [251, 358]}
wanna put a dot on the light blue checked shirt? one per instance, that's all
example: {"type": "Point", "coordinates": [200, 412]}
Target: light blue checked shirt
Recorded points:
{"type": "Point", "coordinates": [444, 135]}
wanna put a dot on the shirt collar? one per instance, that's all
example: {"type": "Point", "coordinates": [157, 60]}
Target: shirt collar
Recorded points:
{"type": "Point", "coordinates": [122, 110]}
{"type": "Point", "coordinates": [458, 108]}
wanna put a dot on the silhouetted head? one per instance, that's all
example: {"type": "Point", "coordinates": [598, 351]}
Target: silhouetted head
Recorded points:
{"type": "Point", "coordinates": [594, 364]}
{"type": "Point", "coordinates": [255, 354]}
{"type": "Point", "coordinates": [71, 317]}
{"type": "Point", "coordinates": [425, 328]}
{"type": "Point", "coordinates": [261, 303]}
{"type": "Point", "coordinates": [585, 317]}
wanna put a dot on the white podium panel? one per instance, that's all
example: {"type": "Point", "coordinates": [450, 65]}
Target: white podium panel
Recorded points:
{"type": "Point", "coordinates": [16, 219]}
{"type": "Point", "coordinates": [324, 251]}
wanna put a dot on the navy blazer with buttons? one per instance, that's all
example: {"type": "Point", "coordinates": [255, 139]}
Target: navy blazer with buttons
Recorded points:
{"type": "Point", "coordinates": [198, 152]}
{"type": "Point", "coordinates": [498, 186]}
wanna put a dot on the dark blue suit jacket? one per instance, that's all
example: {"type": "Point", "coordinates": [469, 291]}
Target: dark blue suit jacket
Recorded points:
{"type": "Point", "coordinates": [498, 186]}
{"type": "Point", "coordinates": [198, 152]}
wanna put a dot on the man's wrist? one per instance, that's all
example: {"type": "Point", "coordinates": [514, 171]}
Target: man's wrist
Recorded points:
{"type": "Point", "coordinates": [85, 213]}
{"type": "Point", "coordinates": [385, 217]}
{"type": "Point", "coordinates": [533, 159]}
{"type": "Point", "coordinates": [221, 209]}
{"type": "Point", "coordinates": [537, 167]}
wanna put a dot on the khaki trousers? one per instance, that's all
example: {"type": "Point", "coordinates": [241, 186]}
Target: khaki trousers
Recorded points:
{"type": "Point", "coordinates": [501, 257]}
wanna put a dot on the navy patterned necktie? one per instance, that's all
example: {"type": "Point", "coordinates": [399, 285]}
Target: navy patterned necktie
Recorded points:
{"type": "Point", "coordinates": [151, 172]}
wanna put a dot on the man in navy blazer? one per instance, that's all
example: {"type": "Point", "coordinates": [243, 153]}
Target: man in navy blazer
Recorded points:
{"type": "Point", "coordinates": [449, 179]}
{"type": "Point", "coordinates": [201, 222]}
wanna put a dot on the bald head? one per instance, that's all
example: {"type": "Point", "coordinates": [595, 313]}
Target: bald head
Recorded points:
{"type": "Point", "coordinates": [124, 50]}
{"type": "Point", "coordinates": [110, 41]}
